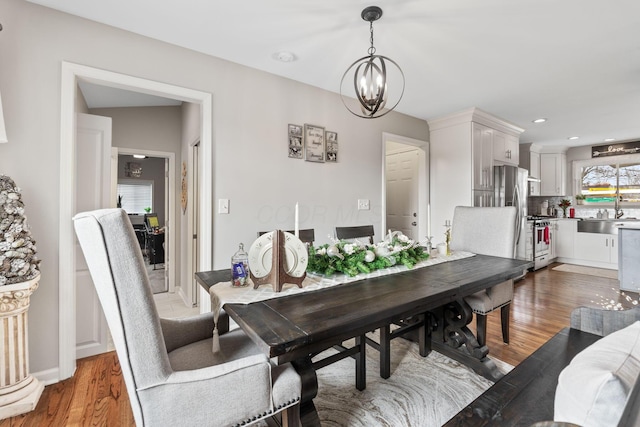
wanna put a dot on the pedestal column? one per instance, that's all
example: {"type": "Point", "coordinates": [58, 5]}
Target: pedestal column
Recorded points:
{"type": "Point", "coordinates": [19, 390]}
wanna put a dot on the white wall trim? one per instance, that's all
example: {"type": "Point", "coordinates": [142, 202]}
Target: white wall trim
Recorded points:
{"type": "Point", "coordinates": [424, 219]}
{"type": "Point", "coordinates": [71, 73]}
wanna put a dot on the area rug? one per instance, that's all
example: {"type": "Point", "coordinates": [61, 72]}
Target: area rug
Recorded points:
{"type": "Point", "coordinates": [591, 271]}
{"type": "Point", "coordinates": [422, 391]}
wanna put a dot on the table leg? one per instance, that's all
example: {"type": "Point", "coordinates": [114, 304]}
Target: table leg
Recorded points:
{"type": "Point", "coordinates": [308, 412]}
{"type": "Point", "coordinates": [453, 338]}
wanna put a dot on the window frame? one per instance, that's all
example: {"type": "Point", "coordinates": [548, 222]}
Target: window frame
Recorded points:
{"type": "Point", "coordinates": [617, 160]}
{"type": "Point", "coordinates": [139, 182]}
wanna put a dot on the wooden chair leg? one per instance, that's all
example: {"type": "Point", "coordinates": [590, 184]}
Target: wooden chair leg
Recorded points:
{"type": "Point", "coordinates": [504, 319]}
{"type": "Point", "coordinates": [291, 416]}
{"type": "Point", "coordinates": [361, 363]}
{"type": "Point", "coordinates": [481, 326]}
{"type": "Point", "coordinates": [385, 351]}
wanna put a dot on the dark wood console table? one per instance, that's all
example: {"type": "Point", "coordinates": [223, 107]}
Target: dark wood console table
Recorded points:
{"type": "Point", "coordinates": [294, 328]}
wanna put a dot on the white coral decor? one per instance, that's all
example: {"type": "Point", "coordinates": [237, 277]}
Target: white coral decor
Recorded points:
{"type": "Point", "coordinates": [18, 261]}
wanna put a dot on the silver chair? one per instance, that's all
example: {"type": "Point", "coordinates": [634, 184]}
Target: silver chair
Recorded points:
{"type": "Point", "coordinates": [487, 231]}
{"type": "Point", "coordinates": [172, 375]}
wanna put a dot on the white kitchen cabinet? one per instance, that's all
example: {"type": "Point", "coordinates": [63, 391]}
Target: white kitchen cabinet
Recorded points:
{"type": "Point", "coordinates": [552, 174]}
{"type": "Point", "coordinates": [553, 234]}
{"type": "Point", "coordinates": [596, 247]}
{"type": "Point", "coordinates": [461, 161]}
{"type": "Point", "coordinates": [534, 171]}
{"type": "Point", "coordinates": [505, 148]}
{"type": "Point", "coordinates": [564, 237]}
{"type": "Point", "coordinates": [482, 147]}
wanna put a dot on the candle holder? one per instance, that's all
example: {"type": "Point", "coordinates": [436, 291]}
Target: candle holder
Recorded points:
{"type": "Point", "coordinates": [447, 236]}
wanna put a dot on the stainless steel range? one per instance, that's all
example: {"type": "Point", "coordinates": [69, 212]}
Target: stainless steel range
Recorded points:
{"type": "Point", "coordinates": [541, 238]}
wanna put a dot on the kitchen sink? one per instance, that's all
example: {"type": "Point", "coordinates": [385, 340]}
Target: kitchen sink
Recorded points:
{"type": "Point", "coordinates": [606, 226]}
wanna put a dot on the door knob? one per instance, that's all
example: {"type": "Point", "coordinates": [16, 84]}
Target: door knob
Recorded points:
{"type": "Point", "coordinates": [414, 223]}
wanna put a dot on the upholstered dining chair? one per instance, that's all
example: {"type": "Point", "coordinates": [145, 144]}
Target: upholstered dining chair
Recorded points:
{"type": "Point", "coordinates": [172, 375]}
{"type": "Point", "coordinates": [487, 231]}
{"type": "Point", "coordinates": [355, 232]}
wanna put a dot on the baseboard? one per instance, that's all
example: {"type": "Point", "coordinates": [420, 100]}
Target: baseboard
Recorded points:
{"type": "Point", "coordinates": [49, 376]}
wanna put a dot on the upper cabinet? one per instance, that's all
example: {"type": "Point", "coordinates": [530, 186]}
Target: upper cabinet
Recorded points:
{"type": "Point", "coordinates": [462, 152]}
{"type": "Point", "coordinates": [534, 172]}
{"type": "Point", "coordinates": [482, 149]}
{"type": "Point", "coordinates": [552, 174]}
{"type": "Point", "coordinates": [505, 148]}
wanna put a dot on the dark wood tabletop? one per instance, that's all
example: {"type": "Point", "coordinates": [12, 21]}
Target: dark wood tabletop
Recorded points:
{"type": "Point", "coordinates": [292, 326]}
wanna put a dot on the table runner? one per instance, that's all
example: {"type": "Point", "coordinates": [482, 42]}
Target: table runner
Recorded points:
{"type": "Point", "coordinates": [222, 293]}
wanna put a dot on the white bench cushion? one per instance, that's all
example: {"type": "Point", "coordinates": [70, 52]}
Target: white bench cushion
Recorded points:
{"type": "Point", "coordinates": [593, 389]}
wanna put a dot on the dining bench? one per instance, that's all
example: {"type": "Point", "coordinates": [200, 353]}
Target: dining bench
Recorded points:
{"type": "Point", "coordinates": [526, 395]}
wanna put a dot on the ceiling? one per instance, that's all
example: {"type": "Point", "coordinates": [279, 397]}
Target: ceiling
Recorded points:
{"type": "Point", "coordinates": [574, 62]}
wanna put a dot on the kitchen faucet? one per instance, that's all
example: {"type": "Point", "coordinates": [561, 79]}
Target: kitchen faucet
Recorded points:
{"type": "Point", "coordinates": [616, 207]}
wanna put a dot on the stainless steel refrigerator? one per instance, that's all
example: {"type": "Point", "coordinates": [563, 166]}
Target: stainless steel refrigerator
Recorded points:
{"type": "Point", "coordinates": [510, 189]}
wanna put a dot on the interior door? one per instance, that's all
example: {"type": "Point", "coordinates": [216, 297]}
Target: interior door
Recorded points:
{"type": "Point", "coordinates": [195, 259]}
{"type": "Point", "coordinates": [402, 191]}
{"type": "Point", "coordinates": [93, 191]}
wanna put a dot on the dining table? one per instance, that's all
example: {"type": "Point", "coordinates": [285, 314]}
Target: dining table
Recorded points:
{"type": "Point", "coordinates": [297, 327]}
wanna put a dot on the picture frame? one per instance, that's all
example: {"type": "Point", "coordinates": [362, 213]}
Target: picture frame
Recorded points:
{"type": "Point", "coordinates": [294, 135]}
{"type": "Point", "coordinates": [331, 139]}
{"type": "Point", "coordinates": [314, 143]}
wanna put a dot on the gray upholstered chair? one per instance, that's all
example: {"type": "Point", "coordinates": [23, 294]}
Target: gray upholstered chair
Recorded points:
{"type": "Point", "coordinates": [487, 231]}
{"type": "Point", "coordinates": [172, 375]}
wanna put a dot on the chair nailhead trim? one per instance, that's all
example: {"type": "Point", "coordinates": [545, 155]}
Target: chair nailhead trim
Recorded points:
{"type": "Point", "coordinates": [264, 414]}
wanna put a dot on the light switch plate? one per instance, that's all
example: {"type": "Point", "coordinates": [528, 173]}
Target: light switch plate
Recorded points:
{"type": "Point", "coordinates": [223, 206]}
{"type": "Point", "coordinates": [363, 204]}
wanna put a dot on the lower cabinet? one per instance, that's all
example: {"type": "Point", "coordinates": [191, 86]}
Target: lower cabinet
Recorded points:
{"type": "Point", "coordinates": [596, 247]}
{"type": "Point", "coordinates": [553, 234]}
{"type": "Point", "coordinates": [566, 231]}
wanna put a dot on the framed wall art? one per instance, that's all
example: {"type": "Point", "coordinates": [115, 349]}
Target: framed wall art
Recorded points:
{"type": "Point", "coordinates": [314, 144]}
{"type": "Point", "coordinates": [331, 139]}
{"type": "Point", "coordinates": [295, 141]}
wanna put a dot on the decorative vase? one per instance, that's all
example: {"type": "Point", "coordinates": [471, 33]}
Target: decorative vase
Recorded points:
{"type": "Point", "coordinates": [19, 390]}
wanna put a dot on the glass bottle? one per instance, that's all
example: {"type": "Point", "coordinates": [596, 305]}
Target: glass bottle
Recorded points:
{"type": "Point", "coordinates": [240, 268]}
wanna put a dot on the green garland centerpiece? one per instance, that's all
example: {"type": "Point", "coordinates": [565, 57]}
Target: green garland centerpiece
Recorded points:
{"type": "Point", "coordinates": [353, 258]}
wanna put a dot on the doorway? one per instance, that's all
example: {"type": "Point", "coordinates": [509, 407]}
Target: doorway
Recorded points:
{"type": "Point", "coordinates": [405, 185]}
{"type": "Point", "coordinates": [150, 192]}
{"type": "Point", "coordinates": [71, 75]}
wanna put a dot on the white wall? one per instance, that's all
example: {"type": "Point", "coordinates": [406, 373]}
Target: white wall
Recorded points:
{"type": "Point", "coordinates": [250, 143]}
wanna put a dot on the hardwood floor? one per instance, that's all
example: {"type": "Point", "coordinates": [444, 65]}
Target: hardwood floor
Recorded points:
{"type": "Point", "coordinates": [96, 395]}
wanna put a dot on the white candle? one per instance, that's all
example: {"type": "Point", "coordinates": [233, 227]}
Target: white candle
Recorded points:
{"type": "Point", "coordinates": [296, 229]}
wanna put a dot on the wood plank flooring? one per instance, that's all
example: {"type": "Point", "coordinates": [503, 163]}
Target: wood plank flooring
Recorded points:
{"type": "Point", "coordinates": [96, 395]}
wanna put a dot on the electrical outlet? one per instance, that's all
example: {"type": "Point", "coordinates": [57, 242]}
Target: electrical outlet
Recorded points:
{"type": "Point", "coordinates": [363, 204]}
{"type": "Point", "coordinates": [223, 206]}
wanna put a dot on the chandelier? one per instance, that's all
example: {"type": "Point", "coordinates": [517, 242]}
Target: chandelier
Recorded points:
{"type": "Point", "coordinates": [370, 76]}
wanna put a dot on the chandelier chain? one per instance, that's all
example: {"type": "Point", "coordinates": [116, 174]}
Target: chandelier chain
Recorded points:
{"type": "Point", "coordinates": [372, 49]}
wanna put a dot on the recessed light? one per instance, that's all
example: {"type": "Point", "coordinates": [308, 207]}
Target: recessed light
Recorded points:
{"type": "Point", "coordinates": [609, 140]}
{"type": "Point", "coordinates": [540, 120]}
{"type": "Point", "coordinates": [284, 56]}
{"type": "Point", "coordinates": [573, 137]}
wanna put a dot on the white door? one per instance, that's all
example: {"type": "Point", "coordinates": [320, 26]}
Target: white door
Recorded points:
{"type": "Point", "coordinates": [402, 191]}
{"type": "Point", "coordinates": [93, 191]}
{"type": "Point", "coordinates": [195, 259]}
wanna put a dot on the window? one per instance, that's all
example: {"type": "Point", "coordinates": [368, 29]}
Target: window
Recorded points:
{"type": "Point", "coordinates": [135, 196]}
{"type": "Point", "coordinates": [605, 183]}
